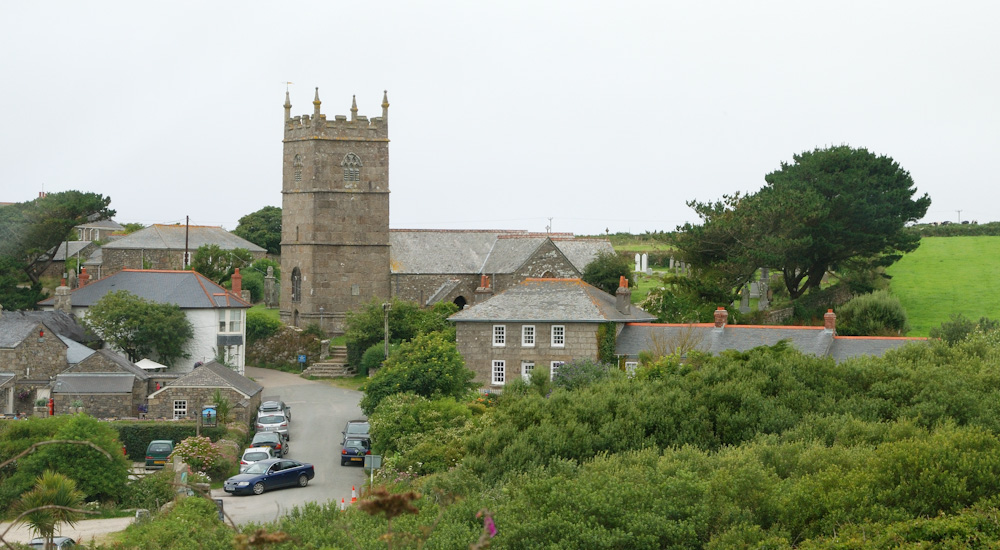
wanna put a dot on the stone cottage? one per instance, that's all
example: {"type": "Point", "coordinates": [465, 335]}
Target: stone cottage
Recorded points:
{"type": "Point", "coordinates": [186, 396]}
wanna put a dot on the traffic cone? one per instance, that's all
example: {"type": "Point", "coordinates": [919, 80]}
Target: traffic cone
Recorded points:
{"type": "Point", "coordinates": [341, 505]}
{"type": "Point", "coordinates": [354, 495]}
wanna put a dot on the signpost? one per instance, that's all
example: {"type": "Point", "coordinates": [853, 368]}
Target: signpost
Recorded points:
{"type": "Point", "coordinates": [371, 463]}
{"type": "Point", "coordinates": [302, 361]}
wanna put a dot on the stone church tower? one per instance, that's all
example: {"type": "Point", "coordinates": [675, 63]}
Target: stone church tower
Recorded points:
{"type": "Point", "coordinates": [335, 215]}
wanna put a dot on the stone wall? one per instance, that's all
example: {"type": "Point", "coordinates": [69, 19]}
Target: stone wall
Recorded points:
{"type": "Point", "coordinates": [420, 287]}
{"type": "Point", "coordinates": [116, 259]}
{"type": "Point", "coordinates": [101, 405]}
{"type": "Point", "coordinates": [475, 344]}
{"type": "Point", "coordinates": [35, 358]}
{"type": "Point", "coordinates": [162, 404]}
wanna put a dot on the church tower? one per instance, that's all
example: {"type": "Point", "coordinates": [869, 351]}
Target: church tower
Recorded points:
{"type": "Point", "coordinates": [335, 215]}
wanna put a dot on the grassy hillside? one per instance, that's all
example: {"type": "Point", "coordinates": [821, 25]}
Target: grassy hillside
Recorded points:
{"type": "Point", "coordinates": [948, 275]}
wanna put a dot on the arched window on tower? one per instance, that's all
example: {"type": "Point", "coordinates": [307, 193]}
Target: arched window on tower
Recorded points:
{"type": "Point", "coordinates": [352, 167]}
{"type": "Point", "coordinates": [297, 166]}
{"type": "Point", "coordinates": [296, 285]}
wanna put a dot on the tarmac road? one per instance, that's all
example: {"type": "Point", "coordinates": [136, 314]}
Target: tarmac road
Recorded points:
{"type": "Point", "coordinates": [319, 412]}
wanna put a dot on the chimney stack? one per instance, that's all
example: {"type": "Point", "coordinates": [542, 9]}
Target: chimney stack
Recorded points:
{"type": "Point", "coordinates": [830, 321]}
{"type": "Point", "coordinates": [721, 316]}
{"type": "Point", "coordinates": [623, 297]}
{"type": "Point", "coordinates": [484, 292]}
{"type": "Point", "coordinates": [62, 299]}
{"type": "Point", "coordinates": [237, 281]}
{"type": "Point", "coordinates": [84, 277]}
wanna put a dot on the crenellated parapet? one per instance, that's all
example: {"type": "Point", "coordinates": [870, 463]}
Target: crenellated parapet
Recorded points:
{"type": "Point", "coordinates": [318, 126]}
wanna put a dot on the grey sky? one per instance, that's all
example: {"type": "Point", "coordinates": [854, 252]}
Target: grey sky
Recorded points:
{"type": "Point", "coordinates": [503, 114]}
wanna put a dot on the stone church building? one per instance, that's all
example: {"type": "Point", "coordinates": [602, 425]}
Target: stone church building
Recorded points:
{"type": "Point", "coordinates": [337, 251]}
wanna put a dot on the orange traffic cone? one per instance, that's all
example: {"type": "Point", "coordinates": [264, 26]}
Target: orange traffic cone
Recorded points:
{"type": "Point", "coordinates": [341, 505]}
{"type": "Point", "coordinates": [354, 495]}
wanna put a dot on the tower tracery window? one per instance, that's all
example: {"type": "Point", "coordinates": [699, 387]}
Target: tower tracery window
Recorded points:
{"type": "Point", "coordinates": [352, 167]}
{"type": "Point", "coordinates": [297, 165]}
{"type": "Point", "coordinates": [296, 285]}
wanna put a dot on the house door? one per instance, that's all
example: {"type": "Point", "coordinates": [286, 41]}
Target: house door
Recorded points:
{"type": "Point", "coordinates": [526, 368]}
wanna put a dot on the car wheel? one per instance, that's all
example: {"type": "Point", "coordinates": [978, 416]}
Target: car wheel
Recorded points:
{"type": "Point", "coordinates": [342, 463]}
{"type": "Point", "coordinates": [303, 480]}
{"type": "Point", "coordinates": [258, 488]}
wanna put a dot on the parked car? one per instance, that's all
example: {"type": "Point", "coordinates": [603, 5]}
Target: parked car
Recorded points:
{"type": "Point", "coordinates": [157, 453]}
{"type": "Point", "coordinates": [354, 451]}
{"type": "Point", "coordinates": [274, 440]}
{"type": "Point", "coordinates": [57, 542]}
{"type": "Point", "coordinates": [255, 454]}
{"type": "Point", "coordinates": [275, 406]}
{"type": "Point", "coordinates": [270, 474]}
{"type": "Point", "coordinates": [274, 422]}
{"type": "Point", "coordinates": [355, 428]}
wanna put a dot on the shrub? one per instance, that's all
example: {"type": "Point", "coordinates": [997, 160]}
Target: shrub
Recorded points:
{"type": "Point", "coordinates": [150, 491]}
{"type": "Point", "coordinates": [374, 356]}
{"type": "Point", "coordinates": [260, 326]}
{"type": "Point", "coordinates": [875, 314]}
{"type": "Point", "coordinates": [959, 328]}
{"type": "Point", "coordinates": [582, 372]}
{"type": "Point", "coordinates": [198, 452]}
{"type": "Point", "coordinates": [191, 525]}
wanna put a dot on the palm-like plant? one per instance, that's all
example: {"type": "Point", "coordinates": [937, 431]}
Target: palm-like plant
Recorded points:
{"type": "Point", "coordinates": [54, 500]}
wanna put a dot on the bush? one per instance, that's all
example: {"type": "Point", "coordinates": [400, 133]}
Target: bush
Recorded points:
{"type": "Point", "coordinates": [198, 452]}
{"type": "Point", "coordinates": [193, 524]}
{"type": "Point", "coordinates": [374, 356]}
{"type": "Point", "coordinates": [150, 491]}
{"type": "Point", "coordinates": [137, 435]}
{"type": "Point", "coordinates": [582, 372]}
{"type": "Point", "coordinates": [260, 326]}
{"type": "Point", "coordinates": [875, 314]}
{"type": "Point", "coordinates": [959, 328]}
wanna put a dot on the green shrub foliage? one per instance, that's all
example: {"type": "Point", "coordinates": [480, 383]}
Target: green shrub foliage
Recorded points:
{"type": "Point", "coordinates": [193, 524]}
{"type": "Point", "coordinates": [876, 314]}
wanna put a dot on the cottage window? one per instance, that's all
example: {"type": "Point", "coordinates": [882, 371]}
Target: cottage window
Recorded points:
{"type": "Point", "coordinates": [499, 372]}
{"type": "Point", "coordinates": [222, 320]}
{"type": "Point", "coordinates": [554, 368]}
{"type": "Point", "coordinates": [499, 336]}
{"type": "Point", "coordinates": [235, 320]}
{"type": "Point", "coordinates": [528, 336]}
{"type": "Point", "coordinates": [180, 408]}
{"type": "Point", "coordinates": [630, 367]}
{"type": "Point", "coordinates": [558, 336]}
{"type": "Point", "coordinates": [527, 367]}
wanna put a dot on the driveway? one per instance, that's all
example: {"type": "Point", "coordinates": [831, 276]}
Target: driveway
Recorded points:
{"type": "Point", "coordinates": [319, 412]}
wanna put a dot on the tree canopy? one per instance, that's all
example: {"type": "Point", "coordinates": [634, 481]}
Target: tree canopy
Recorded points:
{"type": "Point", "coordinates": [262, 228]}
{"type": "Point", "coordinates": [366, 326]}
{"type": "Point", "coordinates": [140, 328]}
{"type": "Point", "coordinates": [218, 264]}
{"type": "Point", "coordinates": [831, 208]}
{"type": "Point", "coordinates": [29, 231]}
{"type": "Point", "coordinates": [606, 270]}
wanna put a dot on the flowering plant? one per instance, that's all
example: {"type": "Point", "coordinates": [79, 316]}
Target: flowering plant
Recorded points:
{"type": "Point", "coordinates": [198, 452]}
{"type": "Point", "coordinates": [23, 394]}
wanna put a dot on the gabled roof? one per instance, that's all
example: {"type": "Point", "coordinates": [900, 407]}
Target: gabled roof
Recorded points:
{"type": "Point", "coordinates": [59, 255]}
{"type": "Point", "coordinates": [551, 300]}
{"type": "Point", "coordinates": [122, 362]}
{"type": "Point", "coordinates": [75, 352]}
{"type": "Point", "coordinates": [93, 382]}
{"type": "Point", "coordinates": [417, 251]}
{"type": "Point", "coordinates": [13, 330]}
{"type": "Point", "coordinates": [817, 341]}
{"type": "Point", "coordinates": [187, 289]}
{"type": "Point", "coordinates": [172, 237]}
{"type": "Point", "coordinates": [215, 375]}
{"type": "Point", "coordinates": [103, 224]}
{"type": "Point", "coordinates": [59, 322]}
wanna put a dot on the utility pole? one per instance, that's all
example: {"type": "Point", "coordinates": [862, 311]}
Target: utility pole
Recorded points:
{"type": "Point", "coordinates": [959, 216]}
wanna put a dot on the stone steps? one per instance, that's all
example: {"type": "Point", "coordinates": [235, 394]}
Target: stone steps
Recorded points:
{"type": "Point", "coordinates": [334, 365]}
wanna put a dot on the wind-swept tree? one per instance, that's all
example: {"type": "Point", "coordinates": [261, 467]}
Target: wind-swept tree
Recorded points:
{"type": "Point", "coordinates": [140, 328]}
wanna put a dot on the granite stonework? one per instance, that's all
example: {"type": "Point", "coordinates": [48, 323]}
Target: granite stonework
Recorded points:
{"type": "Point", "coordinates": [37, 358]}
{"type": "Point", "coordinates": [197, 389]}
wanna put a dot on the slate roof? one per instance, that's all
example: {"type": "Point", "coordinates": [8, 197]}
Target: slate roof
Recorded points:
{"type": "Point", "coordinates": [103, 224]}
{"type": "Point", "coordinates": [551, 300]}
{"type": "Point", "coordinates": [442, 291]}
{"type": "Point", "coordinates": [124, 363]}
{"type": "Point", "coordinates": [187, 289]}
{"type": "Point", "coordinates": [818, 341]}
{"type": "Point", "coordinates": [97, 258]}
{"type": "Point", "coordinates": [75, 352]}
{"type": "Point", "coordinates": [74, 247]}
{"type": "Point", "coordinates": [215, 375]}
{"type": "Point", "coordinates": [93, 382]}
{"type": "Point", "coordinates": [13, 330]}
{"type": "Point", "coordinates": [581, 251]}
{"type": "Point", "coordinates": [59, 322]}
{"type": "Point", "coordinates": [508, 254]}
{"type": "Point", "coordinates": [172, 237]}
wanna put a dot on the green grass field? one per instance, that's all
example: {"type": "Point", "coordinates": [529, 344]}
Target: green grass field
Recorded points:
{"type": "Point", "coordinates": [945, 276]}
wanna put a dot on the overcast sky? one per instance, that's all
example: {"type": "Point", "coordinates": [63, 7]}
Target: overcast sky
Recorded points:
{"type": "Point", "coordinates": [599, 116]}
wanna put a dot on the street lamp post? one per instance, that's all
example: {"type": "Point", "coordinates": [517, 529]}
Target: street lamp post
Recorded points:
{"type": "Point", "coordinates": [321, 324]}
{"type": "Point", "coordinates": [385, 316]}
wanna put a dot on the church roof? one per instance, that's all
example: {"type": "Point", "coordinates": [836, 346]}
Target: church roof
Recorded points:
{"type": "Point", "coordinates": [172, 237]}
{"type": "Point", "coordinates": [415, 251]}
{"type": "Point", "coordinates": [551, 300]}
{"type": "Point", "coordinates": [187, 289]}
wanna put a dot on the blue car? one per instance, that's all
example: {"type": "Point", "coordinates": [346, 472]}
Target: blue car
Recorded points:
{"type": "Point", "coordinates": [270, 474]}
{"type": "Point", "coordinates": [354, 451]}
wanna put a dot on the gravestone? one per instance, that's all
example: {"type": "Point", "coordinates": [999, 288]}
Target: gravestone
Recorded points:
{"type": "Point", "coordinates": [671, 263]}
{"type": "Point", "coordinates": [645, 261]}
{"type": "Point", "coordinates": [763, 302]}
{"type": "Point", "coordinates": [638, 262]}
{"type": "Point", "coordinates": [269, 286]}
{"type": "Point", "coordinates": [745, 299]}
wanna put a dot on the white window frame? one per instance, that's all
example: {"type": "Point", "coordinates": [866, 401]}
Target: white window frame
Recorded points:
{"type": "Point", "coordinates": [499, 336]}
{"type": "Point", "coordinates": [553, 367]}
{"type": "Point", "coordinates": [222, 320]}
{"type": "Point", "coordinates": [180, 408]}
{"type": "Point", "coordinates": [630, 367]}
{"type": "Point", "coordinates": [527, 367]}
{"type": "Point", "coordinates": [235, 320]}
{"type": "Point", "coordinates": [498, 375]}
{"type": "Point", "coordinates": [558, 336]}
{"type": "Point", "coordinates": [528, 336]}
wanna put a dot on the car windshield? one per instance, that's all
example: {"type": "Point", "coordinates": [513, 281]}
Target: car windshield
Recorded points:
{"type": "Point", "coordinates": [355, 444]}
{"type": "Point", "coordinates": [357, 428]}
{"type": "Point", "coordinates": [257, 455]}
{"type": "Point", "coordinates": [257, 468]}
{"type": "Point", "coordinates": [159, 448]}
{"type": "Point", "coordinates": [271, 419]}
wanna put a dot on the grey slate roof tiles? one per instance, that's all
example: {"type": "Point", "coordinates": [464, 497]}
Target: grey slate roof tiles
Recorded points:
{"type": "Point", "coordinates": [172, 237]}
{"type": "Point", "coordinates": [581, 251]}
{"type": "Point", "coordinates": [187, 289]}
{"type": "Point", "coordinates": [551, 300]}
{"type": "Point", "coordinates": [75, 352]}
{"type": "Point", "coordinates": [93, 382]}
{"type": "Point", "coordinates": [214, 375]}
{"type": "Point", "coordinates": [59, 322]}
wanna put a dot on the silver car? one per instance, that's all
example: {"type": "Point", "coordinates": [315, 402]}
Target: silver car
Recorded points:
{"type": "Point", "coordinates": [255, 454]}
{"type": "Point", "coordinates": [273, 422]}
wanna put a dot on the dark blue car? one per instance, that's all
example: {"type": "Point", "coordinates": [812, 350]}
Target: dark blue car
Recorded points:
{"type": "Point", "coordinates": [270, 474]}
{"type": "Point", "coordinates": [354, 451]}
